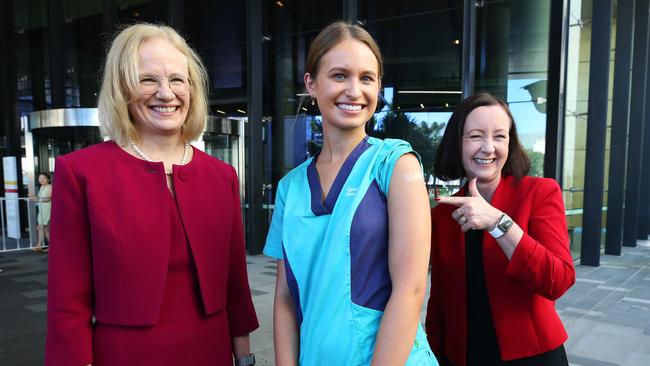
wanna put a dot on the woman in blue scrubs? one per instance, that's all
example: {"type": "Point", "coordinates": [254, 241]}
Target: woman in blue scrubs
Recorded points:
{"type": "Point", "coordinates": [351, 225]}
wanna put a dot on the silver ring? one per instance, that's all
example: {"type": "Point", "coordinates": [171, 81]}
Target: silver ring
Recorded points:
{"type": "Point", "coordinates": [462, 220]}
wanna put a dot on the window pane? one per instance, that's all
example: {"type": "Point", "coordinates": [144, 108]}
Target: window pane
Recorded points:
{"type": "Point", "coordinates": [512, 63]}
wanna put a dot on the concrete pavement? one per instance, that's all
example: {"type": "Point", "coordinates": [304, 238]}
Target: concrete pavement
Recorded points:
{"type": "Point", "coordinates": [607, 311]}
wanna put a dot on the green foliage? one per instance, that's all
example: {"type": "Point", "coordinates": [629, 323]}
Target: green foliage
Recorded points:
{"type": "Point", "coordinates": [423, 138]}
{"type": "Point", "coordinates": [536, 163]}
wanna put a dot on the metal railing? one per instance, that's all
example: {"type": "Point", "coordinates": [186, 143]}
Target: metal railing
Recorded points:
{"type": "Point", "coordinates": [25, 242]}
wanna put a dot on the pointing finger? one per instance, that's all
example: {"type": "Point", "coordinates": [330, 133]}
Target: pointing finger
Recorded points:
{"type": "Point", "coordinates": [456, 201]}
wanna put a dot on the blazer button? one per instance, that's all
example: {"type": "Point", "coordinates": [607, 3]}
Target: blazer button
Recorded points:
{"type": "Point", "coordinates": [183, 175]}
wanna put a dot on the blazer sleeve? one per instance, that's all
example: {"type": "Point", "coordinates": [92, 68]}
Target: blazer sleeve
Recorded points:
{"type": "Point", "coordinates": [70, 305]}
{"type": "Point", "coordinates": [542, 260]}
{"type": "Point", "coordinates": [435, 318]}
{"type": "Point", "coordinates": [241, 313]}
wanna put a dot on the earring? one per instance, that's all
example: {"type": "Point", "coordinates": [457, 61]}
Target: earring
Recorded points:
{"type": "Point", "coordinates": [313, 102]}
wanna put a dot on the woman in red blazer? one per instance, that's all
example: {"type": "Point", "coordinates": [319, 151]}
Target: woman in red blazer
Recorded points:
{"type": "Point", "coordinates": [499, 248]}
{"type": "Point", "coordinates": [147, 263]}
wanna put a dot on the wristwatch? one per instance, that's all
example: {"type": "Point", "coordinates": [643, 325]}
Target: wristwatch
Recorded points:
{"type": "Point", "coordinates": [245, 361]}
{"type": "Point", "coordinates": [504, 223]}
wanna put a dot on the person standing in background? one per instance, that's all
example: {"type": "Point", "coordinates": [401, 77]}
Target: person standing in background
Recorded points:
{"type": "Point", "coordinates": [43, 203]}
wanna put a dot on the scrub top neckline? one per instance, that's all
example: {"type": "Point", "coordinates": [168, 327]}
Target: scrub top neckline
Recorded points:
{"type": "Point", "coordinates": [318, 206]}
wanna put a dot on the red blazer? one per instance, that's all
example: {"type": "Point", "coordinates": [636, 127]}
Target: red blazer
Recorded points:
{"type": "Point", "coordinates": [521, 291]}
{"type": "Point", "coordinates": [109, 244]}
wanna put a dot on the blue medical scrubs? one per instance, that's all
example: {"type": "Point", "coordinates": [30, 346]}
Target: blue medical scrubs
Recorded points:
{"type": "Point", "coordinates": [336, 255]}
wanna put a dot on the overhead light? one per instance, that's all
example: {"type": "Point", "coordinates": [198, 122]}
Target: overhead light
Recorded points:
{"type": "Point", "coordinates": [456, 41]}
{"type": "Point", "coordinates": [220, 111]}
{"type": "Point", "coordinates": [397, 107]}
{"type": "Point", "coordinates": [240, 111]}
{"type": "Point", "coordinates": [429, 92]}
{"type": "Point", "coordinates": [446, 105]}
{"type": "Point", "coordinates": [304, 109]}
{"type": "Point", "coordinates": [136, 14]}
{"type": "Point", "coordinates": [421, 106]}
{"type": "Point", "coordinates": [302, 94]}
{"type": "Point", "coordinates": [279, 4]}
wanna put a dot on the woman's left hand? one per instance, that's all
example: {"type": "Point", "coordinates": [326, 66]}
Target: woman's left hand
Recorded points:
{"type": "Point", "coordinates": [473, 212]}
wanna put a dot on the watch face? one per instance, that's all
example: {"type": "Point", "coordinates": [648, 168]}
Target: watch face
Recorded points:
{"type": "Point", "coordinates": [505, 223]}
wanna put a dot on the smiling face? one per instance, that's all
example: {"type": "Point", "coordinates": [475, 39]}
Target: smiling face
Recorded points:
{"type": "Point", "coordinates": [485, 143]}
{"type": "Point", "coordinates": [161, 105]}
{"type": "Point", "coordinates": [346, 85]}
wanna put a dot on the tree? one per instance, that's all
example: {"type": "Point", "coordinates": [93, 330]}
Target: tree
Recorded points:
{"type": "Point", "coordinates": [423, 138]}
{"type": "Point", "coordinates": [536, 163]}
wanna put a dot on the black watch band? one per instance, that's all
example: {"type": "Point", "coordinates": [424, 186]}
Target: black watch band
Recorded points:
{"type": "Point", "coordinates": [245, 361]}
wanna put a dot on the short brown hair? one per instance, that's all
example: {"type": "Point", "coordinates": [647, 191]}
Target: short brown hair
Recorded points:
{"type": "Point", "coordinates": [334, 34]}
{"type": "Point", "coordinates": [120, 83]}
{"type": "Point", "coordinates": [448, 164]}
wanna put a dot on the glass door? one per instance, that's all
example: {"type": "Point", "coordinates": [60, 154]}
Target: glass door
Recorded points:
{"type": "Point", "coordinates": [51, 142]}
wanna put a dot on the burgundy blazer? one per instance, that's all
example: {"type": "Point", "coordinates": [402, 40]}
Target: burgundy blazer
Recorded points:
{"type": "Point", "coordinates": [521, 291]}
{"type": "Point", "coordinates": [109, 250]}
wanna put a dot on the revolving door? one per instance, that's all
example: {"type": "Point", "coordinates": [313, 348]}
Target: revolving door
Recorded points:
{"type": "Point", "coordinates": [56, 132]}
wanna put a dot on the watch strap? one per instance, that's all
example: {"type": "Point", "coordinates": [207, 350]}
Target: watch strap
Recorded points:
{"type": "Point", "coordinates": [497, 232]}
{"type": "Point", "coordinates": [245, 361]}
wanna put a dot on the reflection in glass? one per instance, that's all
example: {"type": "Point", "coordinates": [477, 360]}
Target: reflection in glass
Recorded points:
{"type": "Point", "coordinates": [54, 141]}
{"type": "Point", "coordinates": [575, 128]}
{"type": "Point", "coordinates": [512, 63]}
{"type": "Point", "coordinates": [295, 128]}
{"type": "Point", "coordinates": [421, 43]}
{"type": "Point", "coordinates": [83, 40]}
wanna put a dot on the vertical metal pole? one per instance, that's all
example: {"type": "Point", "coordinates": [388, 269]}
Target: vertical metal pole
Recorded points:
{"type": "Point", "coordinates": [620, 120]}
{"type": "Point", "coordinates": [351, 10]}
{"type": "Point", "coordinates": [3, 202]}
{"type": "Point", "coordinates": [255, 171]}
{"type": "Point", "coordinates": [8, 81]}
{"type": "Point", "coordinates": [469, 47]}
{"type": "Point", "coordinates": [176, 14]}
{"type": "Point", "coordinates": [30, 223]}
{"type": "Point", "coordinates": [9, 114]}
{"type": "Point", "coordinates": [57, 52]}
{"type": "Point", "coordinates": [643, 217]}
{"type": "Point", "coordinates": [556, 88]}
{"type": "Point", "coordinates": [110, 17]}
{"type": "Point", "coordinates": [596, 132]}
{"type": "Point", "coordinates": [637, 118]}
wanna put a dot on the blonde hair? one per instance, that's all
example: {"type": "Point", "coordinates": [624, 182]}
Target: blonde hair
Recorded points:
{"type": "Point", "coordinates": [120, 83]}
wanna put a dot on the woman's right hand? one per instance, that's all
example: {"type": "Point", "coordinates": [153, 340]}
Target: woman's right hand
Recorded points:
{"type": "Point", "coordinates": [473, 212]}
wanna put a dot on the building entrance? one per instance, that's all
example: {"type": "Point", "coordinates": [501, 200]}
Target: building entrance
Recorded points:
{"type": "Point", "coordinates": [223, 139]}
{"type": "Point", "coordinates": [55, 132]}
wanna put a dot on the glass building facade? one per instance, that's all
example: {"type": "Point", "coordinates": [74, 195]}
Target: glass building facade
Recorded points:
{"type": "Point", "coordinates": [534, 54]}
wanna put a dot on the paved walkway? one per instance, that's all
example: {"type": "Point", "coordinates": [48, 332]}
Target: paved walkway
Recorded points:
{"type": "Point", "coordinates": [607, 311]}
